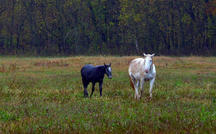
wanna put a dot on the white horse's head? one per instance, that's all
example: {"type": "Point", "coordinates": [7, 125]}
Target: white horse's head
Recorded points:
{"type": "Point", "coordinates": [148, 62]}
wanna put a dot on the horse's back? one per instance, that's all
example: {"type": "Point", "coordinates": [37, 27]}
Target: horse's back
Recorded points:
{"type": "Point", "coordinates": [90, 68]}
{"type": "Point", "coordinates": [136, 66]}
{"type": "Point", "coordinates": [86, 69]}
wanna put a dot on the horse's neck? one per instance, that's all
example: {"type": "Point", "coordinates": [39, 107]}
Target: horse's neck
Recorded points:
{"type": "Point", "coordinates": [101, 69]}
{"type": "Point", "coordinates": [151, 68]}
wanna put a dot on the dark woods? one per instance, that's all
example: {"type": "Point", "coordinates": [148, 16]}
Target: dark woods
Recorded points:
{"type": "Point", "coordinates": [113, 27]}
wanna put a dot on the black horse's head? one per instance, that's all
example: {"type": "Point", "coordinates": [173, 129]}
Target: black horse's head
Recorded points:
{"type": "Point", "coordinates": [108, 70]}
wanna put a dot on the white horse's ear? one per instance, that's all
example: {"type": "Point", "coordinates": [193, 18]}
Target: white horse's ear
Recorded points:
{"type": "Point", "coordinates": [152, 55]}
{"type": "Point", "coordinates": [144, 54]}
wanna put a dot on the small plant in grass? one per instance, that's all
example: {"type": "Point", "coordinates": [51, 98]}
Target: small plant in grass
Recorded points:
{"type": "Point", "coordinates": [5, 116]}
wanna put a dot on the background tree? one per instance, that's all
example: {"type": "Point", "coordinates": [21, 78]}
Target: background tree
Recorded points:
{"type": "Point", "coordinates": [107, 27]}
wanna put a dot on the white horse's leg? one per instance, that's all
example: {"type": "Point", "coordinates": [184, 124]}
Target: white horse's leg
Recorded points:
{"type": "Point", "coordinates": [136, 86]}
{"type": "Point", "coordinates": [141, 85]}
{"type": "Point", "coordinates": [151, 86]}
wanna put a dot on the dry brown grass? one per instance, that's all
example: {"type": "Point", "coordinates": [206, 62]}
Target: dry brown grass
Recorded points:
{"type": "Point", "coordinates": [8, 68]}
{"type": "Point", "coordinates": [196, 64]}
{"type": "Point", "coordinates": [51, 63]}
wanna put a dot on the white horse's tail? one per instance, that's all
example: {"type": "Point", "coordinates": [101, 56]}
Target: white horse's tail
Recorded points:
{"type": "Point", "coordinates": [131, 81]}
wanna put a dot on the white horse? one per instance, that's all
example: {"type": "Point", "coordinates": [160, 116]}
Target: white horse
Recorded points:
{"type": "Point", "coordinates": [141, 70]}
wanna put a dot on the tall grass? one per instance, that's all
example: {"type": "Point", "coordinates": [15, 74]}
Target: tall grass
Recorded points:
{"type": "Point", "coordinates": [45, 95]}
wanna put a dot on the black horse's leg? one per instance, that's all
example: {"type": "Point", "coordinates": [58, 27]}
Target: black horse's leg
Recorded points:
{"type": "Point", "coordinates": [93, 88]}
{"type": "Point", "coordinates": [100, 87]}
{"type": "Point", "coordinates": [85, 90]}
{"type": "Point", "coordinates": [85, 85]}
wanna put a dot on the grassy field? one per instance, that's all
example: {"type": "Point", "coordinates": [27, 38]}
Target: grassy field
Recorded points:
{"type": "Point", "coordinates": [45, 95]}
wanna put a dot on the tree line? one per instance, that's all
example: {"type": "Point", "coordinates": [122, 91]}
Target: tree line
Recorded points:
{"type": "Point", "coordinates": [107, 27]}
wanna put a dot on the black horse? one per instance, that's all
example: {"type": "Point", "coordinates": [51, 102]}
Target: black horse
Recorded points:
{"type": "Point", "coordinates": [94, 74]}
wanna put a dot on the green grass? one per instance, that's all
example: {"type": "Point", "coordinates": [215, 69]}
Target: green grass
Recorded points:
{"type": "Point", "coordinates": [45, 95]}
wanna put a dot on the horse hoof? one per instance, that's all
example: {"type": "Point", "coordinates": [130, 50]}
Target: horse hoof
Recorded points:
{"type": "Point", "coordinates": [138, 97]}
{"type": "Point", "coordinates": [149, 98]}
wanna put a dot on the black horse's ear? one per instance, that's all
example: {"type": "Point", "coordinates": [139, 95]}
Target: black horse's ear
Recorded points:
{"type": "Point", "coordinates": [110, 64]}
{"type": "Point", "coordinates": [105, 65]}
